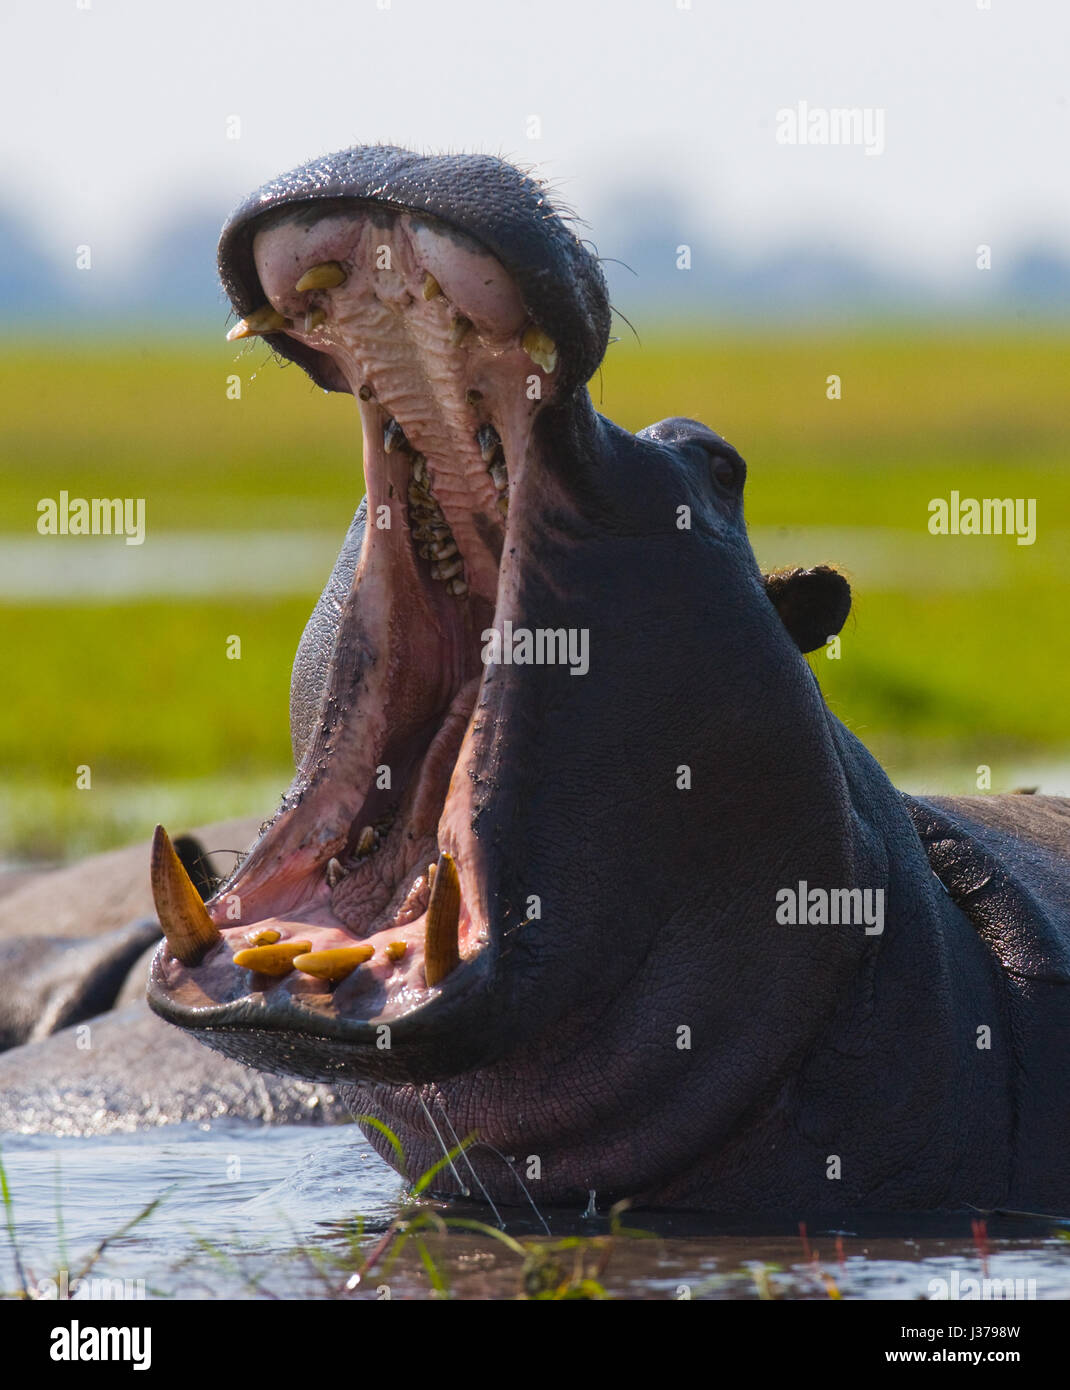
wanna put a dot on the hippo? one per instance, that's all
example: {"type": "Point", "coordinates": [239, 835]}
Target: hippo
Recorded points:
{"type": "Point", "coordinates": [80, 1051]}
{"type": "Point", "coordinates": [578, 871]}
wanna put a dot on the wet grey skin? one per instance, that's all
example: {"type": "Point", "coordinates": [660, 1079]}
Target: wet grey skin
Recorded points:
{"type": "Point", "coordinates": [609, 990]}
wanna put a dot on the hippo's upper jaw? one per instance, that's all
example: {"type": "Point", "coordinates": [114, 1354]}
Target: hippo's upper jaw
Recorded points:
{"type": "Point", "coordinates": [373, 270]}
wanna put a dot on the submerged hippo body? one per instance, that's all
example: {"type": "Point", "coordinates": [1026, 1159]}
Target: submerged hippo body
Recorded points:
{"type": "Point", "coordinates": [576, 859]}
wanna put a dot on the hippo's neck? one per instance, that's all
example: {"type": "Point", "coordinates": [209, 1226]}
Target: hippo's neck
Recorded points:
{"type": "Point", "coordinates": [895, 1102]}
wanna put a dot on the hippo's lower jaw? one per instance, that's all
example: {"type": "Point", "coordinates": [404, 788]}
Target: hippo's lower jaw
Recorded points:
{"type": "Point", "coordinates": [430, 335]}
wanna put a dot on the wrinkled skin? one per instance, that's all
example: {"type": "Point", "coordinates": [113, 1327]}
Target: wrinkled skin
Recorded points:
{"type": "Point", "coordinates": [650, 1030]}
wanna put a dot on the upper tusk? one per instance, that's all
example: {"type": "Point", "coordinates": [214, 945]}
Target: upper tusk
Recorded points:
{"type": "Point", "coordinates": [540, 347]}
{"type": "Point", "coordinates": [266, 319]}
{"type": "Point", "coordinates": [327, 276]}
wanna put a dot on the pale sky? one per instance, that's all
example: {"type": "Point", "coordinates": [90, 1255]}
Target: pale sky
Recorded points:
{"type": "Point", "coordinates": [115, 115]}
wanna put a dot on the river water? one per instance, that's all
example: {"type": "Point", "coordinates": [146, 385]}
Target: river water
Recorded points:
{"type": "Point", "coordinates": [253, 1212]}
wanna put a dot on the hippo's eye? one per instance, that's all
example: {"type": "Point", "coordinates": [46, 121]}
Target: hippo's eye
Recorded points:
{"type": "Point", "coordinates": [728, 471]}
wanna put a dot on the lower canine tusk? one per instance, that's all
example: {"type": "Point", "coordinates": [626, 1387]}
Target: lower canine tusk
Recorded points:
{"type": "Point", "coordinates": [189, 930]}
{"type": "Point", "coordinates": [441, 952]}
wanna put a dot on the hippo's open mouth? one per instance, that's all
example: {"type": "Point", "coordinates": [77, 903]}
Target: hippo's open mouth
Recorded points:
{"type": "Point", "coordinates": [364, 901]}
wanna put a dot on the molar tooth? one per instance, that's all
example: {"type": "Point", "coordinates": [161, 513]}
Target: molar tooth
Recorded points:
{"type": "Point", "coordinates": [335, 873]}
{"type": "Point", "coordinates": [366, 840]}
{"type": "Point", "coordinates": [184, 919]}
{"type": "Point", "coordinates": [393, 437]}
{"type": "Point", "coordinates": [444, 550]}
{"type": "Point", "coordinates": [499, 475]}
{"type": "Point", "coordinates": [266, 319]}
{"type": "Point", "coordinates": [458, 329]}
{"type": "Point", "coordinates": [447, 569]}
{"type": "Point", "coordinates": [441, 952]}
{"type": "Point", "coordinates": [366, 393]}
{"type": "Point", "coordinates": [489, 441]}
{"type": "Point", "coordinates": [540, 347]}
{"type": "Point", "coordinates": [334, 964]}
{"type": "Point", "coordinates": [277, 959]}
{"type": "Point", "coordinates": [424, 552]}
{"type": "Point", "coordinates": [327, 276]}
{"type": "Point", "coordinates": [431, 286]}
{"type": "Point", "coordinates": [314, 318]}
{"type": "Point", "coordinates": [503, 506]}
{"type": "Point", "coordinates": [457, 587]}
{"type": "Point", "coordinates": [419, 467]}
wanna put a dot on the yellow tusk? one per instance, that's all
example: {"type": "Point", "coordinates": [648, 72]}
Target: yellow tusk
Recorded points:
{"type": "Point", "coordinates": [327, 276]}
{"type": "Point", "coordinates": [441, 953]}
{"type": "Point", "coordinates": [540, 347]}
{"type": "Point", "coordinates": [189, 930]}
{"type": "Point", "coordinates": [276, 959]}
{"type": "Point", "coordinates": [335, 964]}
{"type": "Point", "coordinates": [262, 320]}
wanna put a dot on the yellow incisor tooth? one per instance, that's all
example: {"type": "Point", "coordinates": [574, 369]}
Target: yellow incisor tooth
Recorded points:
{"type": "Point", "coordinates": [395, 950]}
{"type": "Point", "coordinates": [314, 318]}
{"type": "Point", "coordinates": [327, 276]}
{"type": "Point", "coordinates": [431, 286]}
{"type": "Point", "coordinates": [335, 964]}
{"type": "Point", "coordinates": [189, 930]}
{"type": "Point", "coordinates": [276, 959]}
{"type": "Point", "coordinates": [262, 320]}
{"type": "Point", "coordinates": [540, 347]}
{"type": "Point", "coordinates": [441, 953]}
{"type": "Point", "coordinates": [266, 936]}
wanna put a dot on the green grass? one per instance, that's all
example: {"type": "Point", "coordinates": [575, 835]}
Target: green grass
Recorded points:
{"type": "Point", "coordinates": [142, 691]}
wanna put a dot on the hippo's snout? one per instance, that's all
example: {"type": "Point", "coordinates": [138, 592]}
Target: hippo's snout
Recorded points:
{"type": "Point", "coordinates": [478, 199]}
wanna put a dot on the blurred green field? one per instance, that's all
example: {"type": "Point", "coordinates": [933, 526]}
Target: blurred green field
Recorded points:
{"type": "Point", "coordinates": [936, 677]}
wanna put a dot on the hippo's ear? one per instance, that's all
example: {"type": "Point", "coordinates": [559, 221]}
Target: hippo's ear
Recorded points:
{"type": "Point", "coordinates": [813, 604]}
